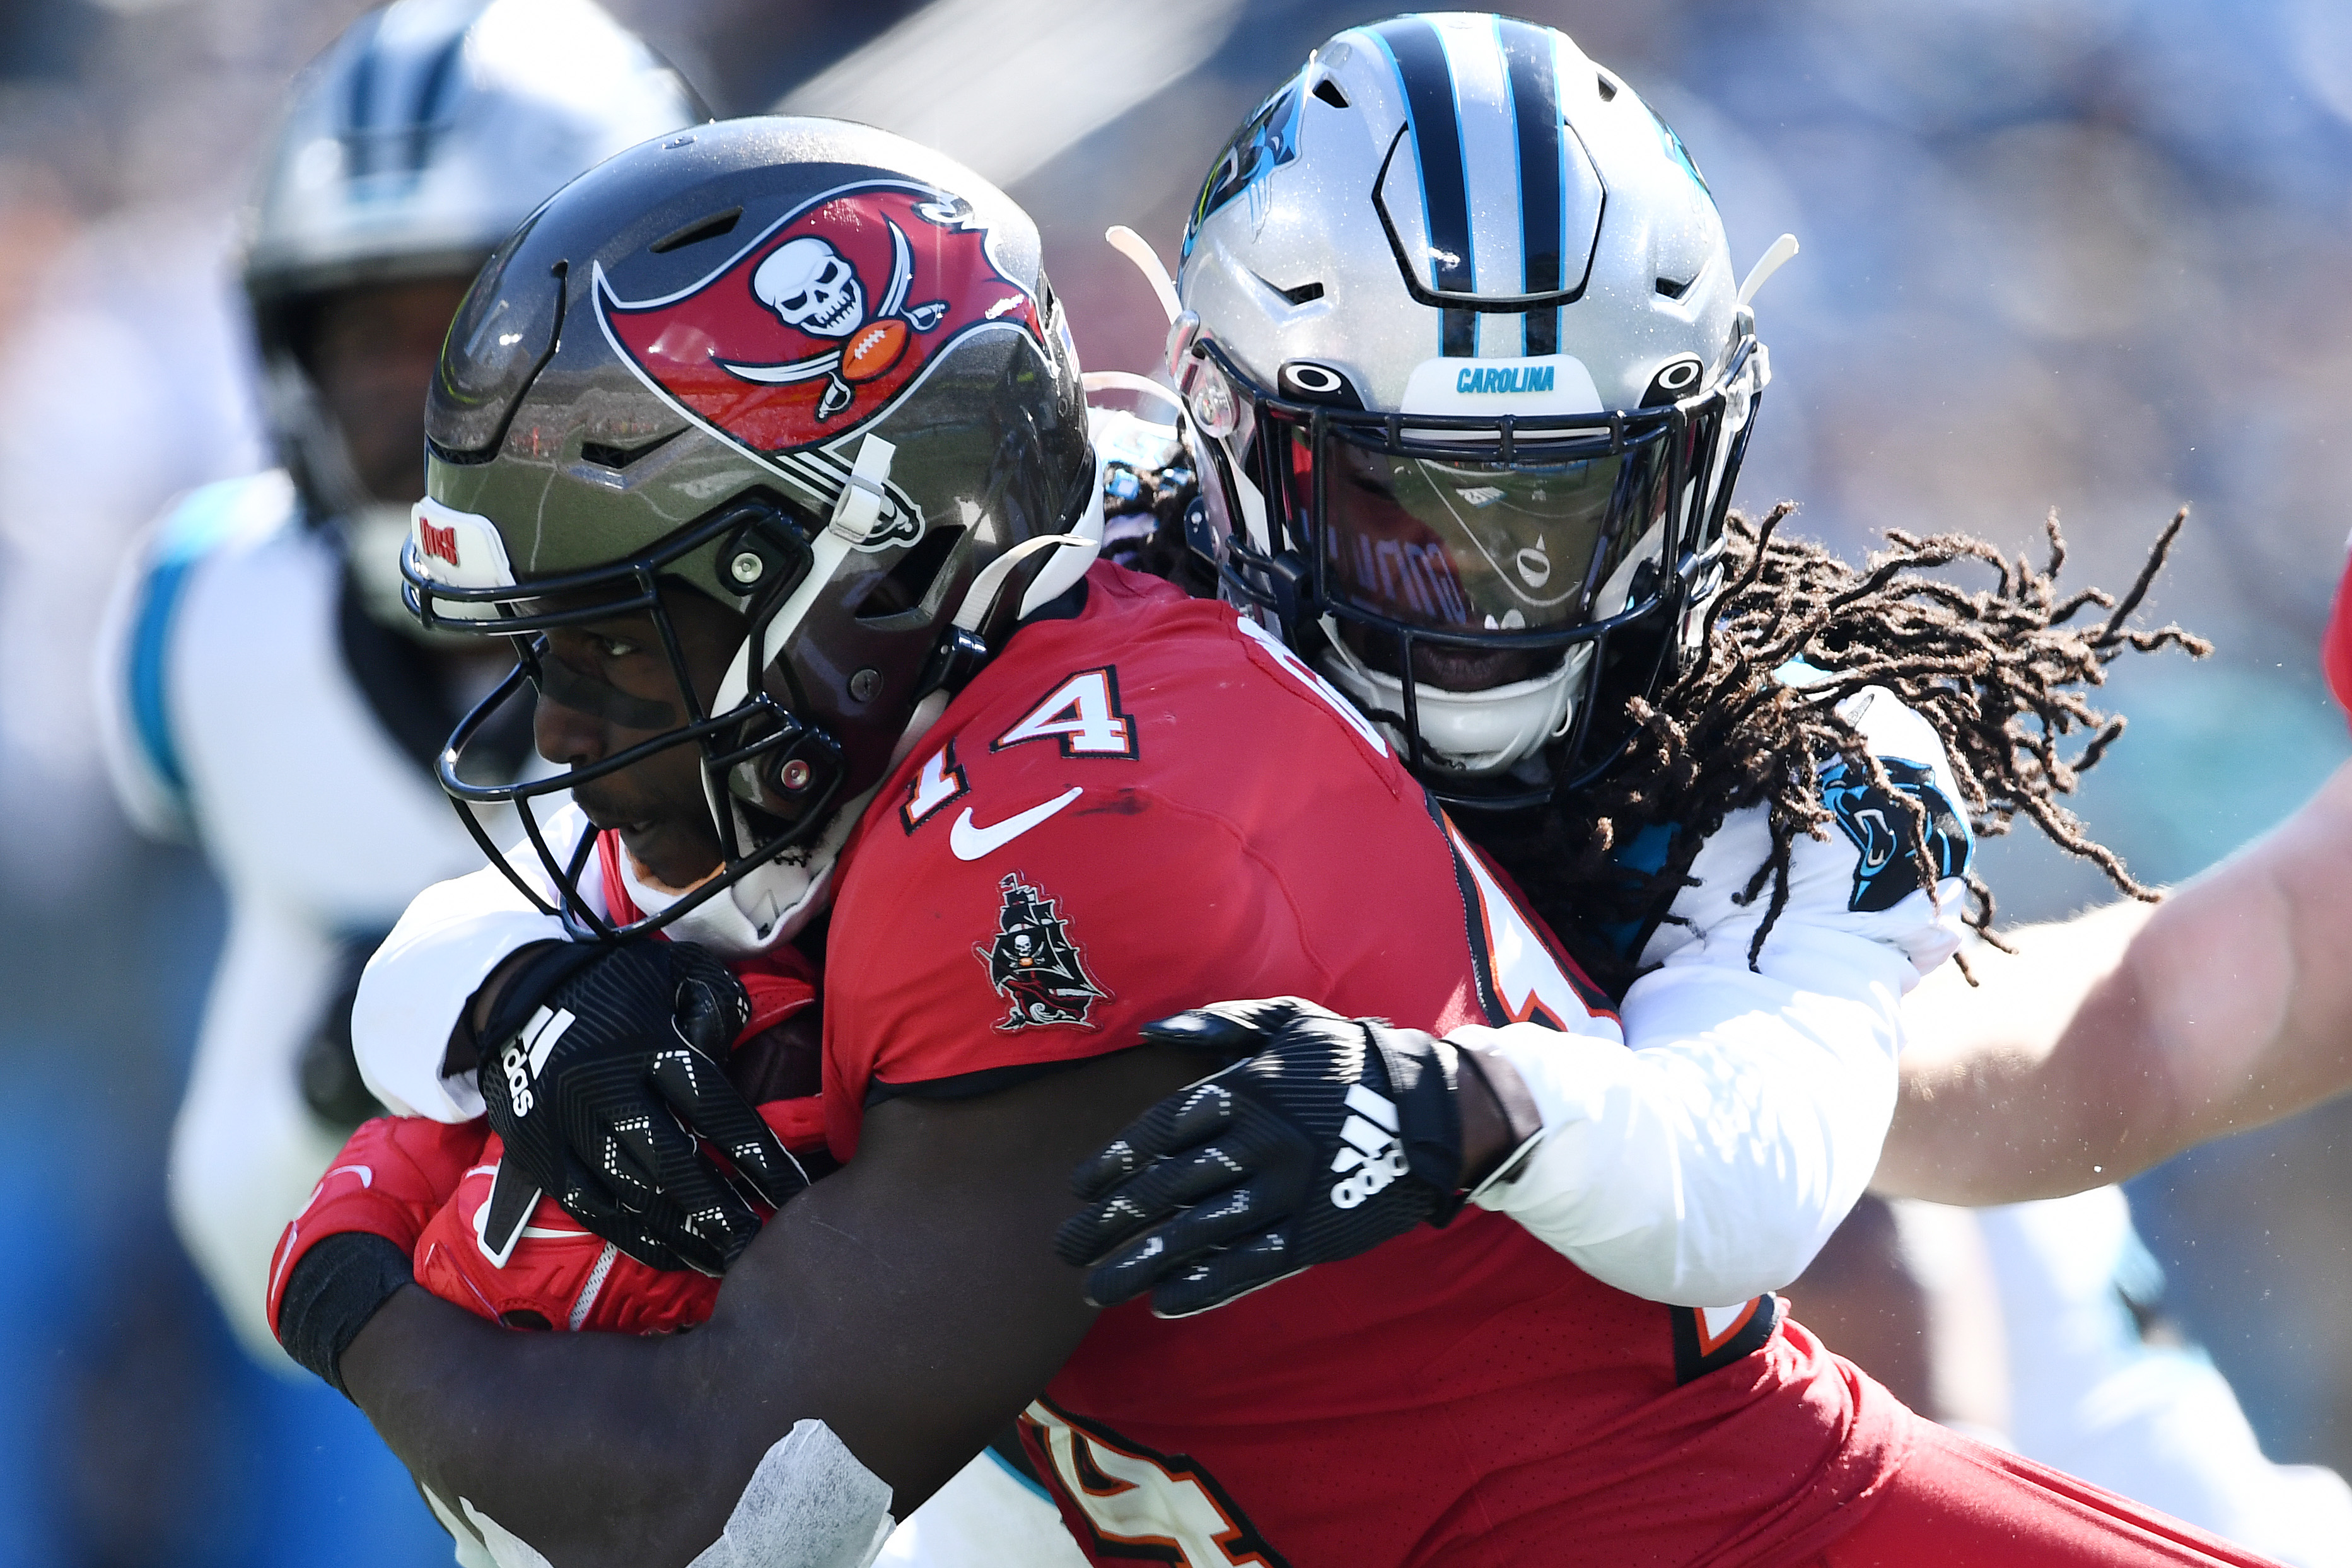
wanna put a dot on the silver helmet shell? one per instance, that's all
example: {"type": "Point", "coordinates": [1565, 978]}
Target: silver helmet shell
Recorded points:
{"type": "Point", "coordinates": [1459, 216]}
{"type": "Point", "coordinates": [409, 150]}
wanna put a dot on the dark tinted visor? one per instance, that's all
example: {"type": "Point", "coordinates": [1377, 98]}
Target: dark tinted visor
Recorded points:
{"type": "Point", "coordinates": [1473, 545]}
{"type": "Point", "coordinates": [504, 331]}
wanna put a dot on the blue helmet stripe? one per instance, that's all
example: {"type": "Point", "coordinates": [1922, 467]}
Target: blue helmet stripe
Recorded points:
{"type": "Point", "coordinates": [1418, 53]}
{"type": "Point", "coordinates": [440, 77]}
{"type": "Point", "coordinates": [359, 111]}
{"type": "Point", "coordinates": [1543, 197]}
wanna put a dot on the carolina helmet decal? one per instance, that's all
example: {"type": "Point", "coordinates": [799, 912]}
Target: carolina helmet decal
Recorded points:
{"type": "Point", "coordinates": [820, 324]}
{"type": "Point", "coordinates": [1267, 141]}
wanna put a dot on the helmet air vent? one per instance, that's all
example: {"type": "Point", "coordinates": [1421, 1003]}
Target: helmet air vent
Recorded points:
{"type": "Point", "coordinates": [697, 231]}
{"type": "Point", "coordinates": [605, 455]}
{"type": "Point", "coordinates": [1303, 294]}
{"type": "Point", "coordinates": [1608, 87]}
{"type": "Point", "coordinates": [1671, 289]}
{"type": "Point", "coordinates": [1329, 91]}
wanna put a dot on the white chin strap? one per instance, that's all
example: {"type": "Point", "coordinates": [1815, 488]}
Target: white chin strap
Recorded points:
{"type": "Point", "coordinates": [1476, 734]}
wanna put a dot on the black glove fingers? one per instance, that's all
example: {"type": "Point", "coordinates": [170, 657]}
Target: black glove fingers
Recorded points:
{"type": "Point", "coordinates": [1128, 1272]}
{"type": "Point", "coordinates": [690, 1185]}
{"type": "Point", "coordinates": [1096, 1230]}
{"type": "Point", "coordinates": [1144, 1140]}
{"type": "Point", "coordinates": [1166, 1187]}
{"type": "Point", "coordinates": [1140, 1264]}
{"type": "Point", "coordinates": [586, 1199]}
{"type": "Point", "coordinates": [707, 1101]}
{"type": "Point", "coordinates": [1227, 1275]}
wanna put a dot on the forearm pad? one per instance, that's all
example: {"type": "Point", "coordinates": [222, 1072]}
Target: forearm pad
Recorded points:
{"type": "Point", "coordinates": [331, 1294]}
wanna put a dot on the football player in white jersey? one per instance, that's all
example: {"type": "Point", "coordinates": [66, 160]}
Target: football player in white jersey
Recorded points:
{"type": "Point", "coordinates": [1303, 326]}
{"type": "Point", "coordinates": [257, 633]}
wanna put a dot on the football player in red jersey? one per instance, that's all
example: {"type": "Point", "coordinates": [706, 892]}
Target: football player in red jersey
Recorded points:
{"type": "Point", "coordinates": [750, 613]}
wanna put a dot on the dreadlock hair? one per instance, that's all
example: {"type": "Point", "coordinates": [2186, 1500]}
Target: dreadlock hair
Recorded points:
{"type": "Point", "coordinates": [2001, 673]}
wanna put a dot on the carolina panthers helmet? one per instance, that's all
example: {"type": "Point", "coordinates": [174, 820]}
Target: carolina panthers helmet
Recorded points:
{"type": "Point", "coordinates": [808, 369]}
{"type": "Point", "coordinates": [410, 148]}
{"type": "Point", "coordinates": [1471, 379]}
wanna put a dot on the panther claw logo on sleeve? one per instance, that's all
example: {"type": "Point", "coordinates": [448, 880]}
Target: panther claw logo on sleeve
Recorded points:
{"type": "Point", "coordinates": [818, 325]}
{"type": "Point", "coordinates": [1885, 874]}
{"type": "Point", "coordinates": [1033, 964]}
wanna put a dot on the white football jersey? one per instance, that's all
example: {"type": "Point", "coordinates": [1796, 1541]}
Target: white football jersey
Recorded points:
{"type": "Point", "coordinates": [1712, 1160]}
{"type": "Point", "coordinates": [231, 717]}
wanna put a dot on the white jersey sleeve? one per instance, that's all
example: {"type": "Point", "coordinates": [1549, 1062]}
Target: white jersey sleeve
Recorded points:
{"type": "Point", "coordinates": [447, 944]}
{"type": "Point", "coordinates": [1709, 1161]}
{"type": "Point", "coordinates": [134, 677]}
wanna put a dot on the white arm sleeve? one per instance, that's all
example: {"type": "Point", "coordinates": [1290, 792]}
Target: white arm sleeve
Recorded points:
{"type": "Point", "coordinates": [419, 982]}
{"type": "Point", "coordinates": [1709, 1162]}
{"type": "Point", "coordinates": [1708, 1159]}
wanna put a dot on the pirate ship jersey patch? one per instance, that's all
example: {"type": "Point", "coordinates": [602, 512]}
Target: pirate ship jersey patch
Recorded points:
{"type": "Point", "coordinates": [826, 319]}
{"type": "Point", "coordinates": [1035, 966]}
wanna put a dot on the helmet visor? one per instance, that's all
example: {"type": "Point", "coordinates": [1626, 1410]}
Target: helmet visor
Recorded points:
{"type": "Point", "coordinates": [1471, 545]}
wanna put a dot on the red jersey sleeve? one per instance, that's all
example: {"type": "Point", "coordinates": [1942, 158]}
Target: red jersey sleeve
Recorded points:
{"type": "Point", "coordinates": [393, 1173]}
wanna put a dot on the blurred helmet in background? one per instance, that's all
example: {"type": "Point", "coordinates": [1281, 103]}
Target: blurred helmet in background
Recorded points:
{"type": "Point", "coordinates": [1472, 377]}
{"type": "Point", "coordinates": [409, 150]}
{"type": "Point", "coordinates": [807, 369]}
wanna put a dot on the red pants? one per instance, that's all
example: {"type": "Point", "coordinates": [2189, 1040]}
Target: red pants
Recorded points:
{"type": "Point", "coordinates": [1957, 1503]}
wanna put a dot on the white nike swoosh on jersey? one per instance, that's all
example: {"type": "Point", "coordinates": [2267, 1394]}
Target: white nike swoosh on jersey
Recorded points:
{"type": "Point", "coordinates": [970, 842]}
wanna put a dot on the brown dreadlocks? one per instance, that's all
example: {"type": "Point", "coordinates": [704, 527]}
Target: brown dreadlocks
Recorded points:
{"type": "Point", "coordinates": [2003, 673]}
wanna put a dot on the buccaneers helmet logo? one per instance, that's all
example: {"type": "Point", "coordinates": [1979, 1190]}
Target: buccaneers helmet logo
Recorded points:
{"type": "Point", "coordinates": [1033, 965]}
{"type": "Point", "coordinates": [818, 325]}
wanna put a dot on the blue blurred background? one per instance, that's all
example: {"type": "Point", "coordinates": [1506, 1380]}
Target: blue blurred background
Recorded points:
{"type": "Point", "coordinates": [2080, 254]}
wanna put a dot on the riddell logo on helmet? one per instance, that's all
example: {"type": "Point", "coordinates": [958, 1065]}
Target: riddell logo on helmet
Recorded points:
{"type": "Point", "coordinates": [821, 322]}
{"type": "Point", "coordinates": [437, 541]}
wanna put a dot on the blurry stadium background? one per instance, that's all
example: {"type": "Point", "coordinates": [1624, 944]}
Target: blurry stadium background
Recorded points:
{"type": "Point", "coordinates": [2088, 254]}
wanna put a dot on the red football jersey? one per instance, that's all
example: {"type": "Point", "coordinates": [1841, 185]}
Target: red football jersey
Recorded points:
{"type": "Point", "coordinates": [1151, 806]}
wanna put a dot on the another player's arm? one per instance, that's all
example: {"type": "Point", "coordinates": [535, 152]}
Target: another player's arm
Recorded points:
{"type": "Point", "coordinates": [912, 1302]}
{"type": "Point", "coordinates": [2120, 1038]}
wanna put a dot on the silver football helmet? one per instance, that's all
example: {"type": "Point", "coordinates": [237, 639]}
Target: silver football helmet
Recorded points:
{"type": "Point", "coordinates": [410, 149]}
{"type": "Point", "coordinates": [1470, 377]}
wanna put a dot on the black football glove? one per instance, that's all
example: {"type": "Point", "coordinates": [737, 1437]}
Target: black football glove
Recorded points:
{"type": "Point", "coordinates": [1333, 1136]}
{"type": "Point", "coordinates": [601, 1063]}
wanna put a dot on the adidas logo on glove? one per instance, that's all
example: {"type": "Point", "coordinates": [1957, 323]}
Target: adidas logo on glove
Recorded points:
{"type": "Point", "coordinates": [1373, 1153]}
{"type": "Point", "coordinates": [538, 1037]}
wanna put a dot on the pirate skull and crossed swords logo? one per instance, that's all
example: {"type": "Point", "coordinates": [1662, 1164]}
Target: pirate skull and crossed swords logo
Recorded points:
{"type": "Point", "coordinates": [788, 343]}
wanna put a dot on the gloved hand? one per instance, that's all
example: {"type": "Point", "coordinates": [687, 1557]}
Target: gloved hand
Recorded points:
{"type": "Point", "coordinates": [1331, 1136]}
{"type": "Point", "coordinates": [601, 1062]}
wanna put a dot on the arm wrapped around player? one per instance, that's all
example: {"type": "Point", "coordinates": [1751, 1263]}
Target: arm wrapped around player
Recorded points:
{"type": "Point", "coordinates": [1328, 1136]}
